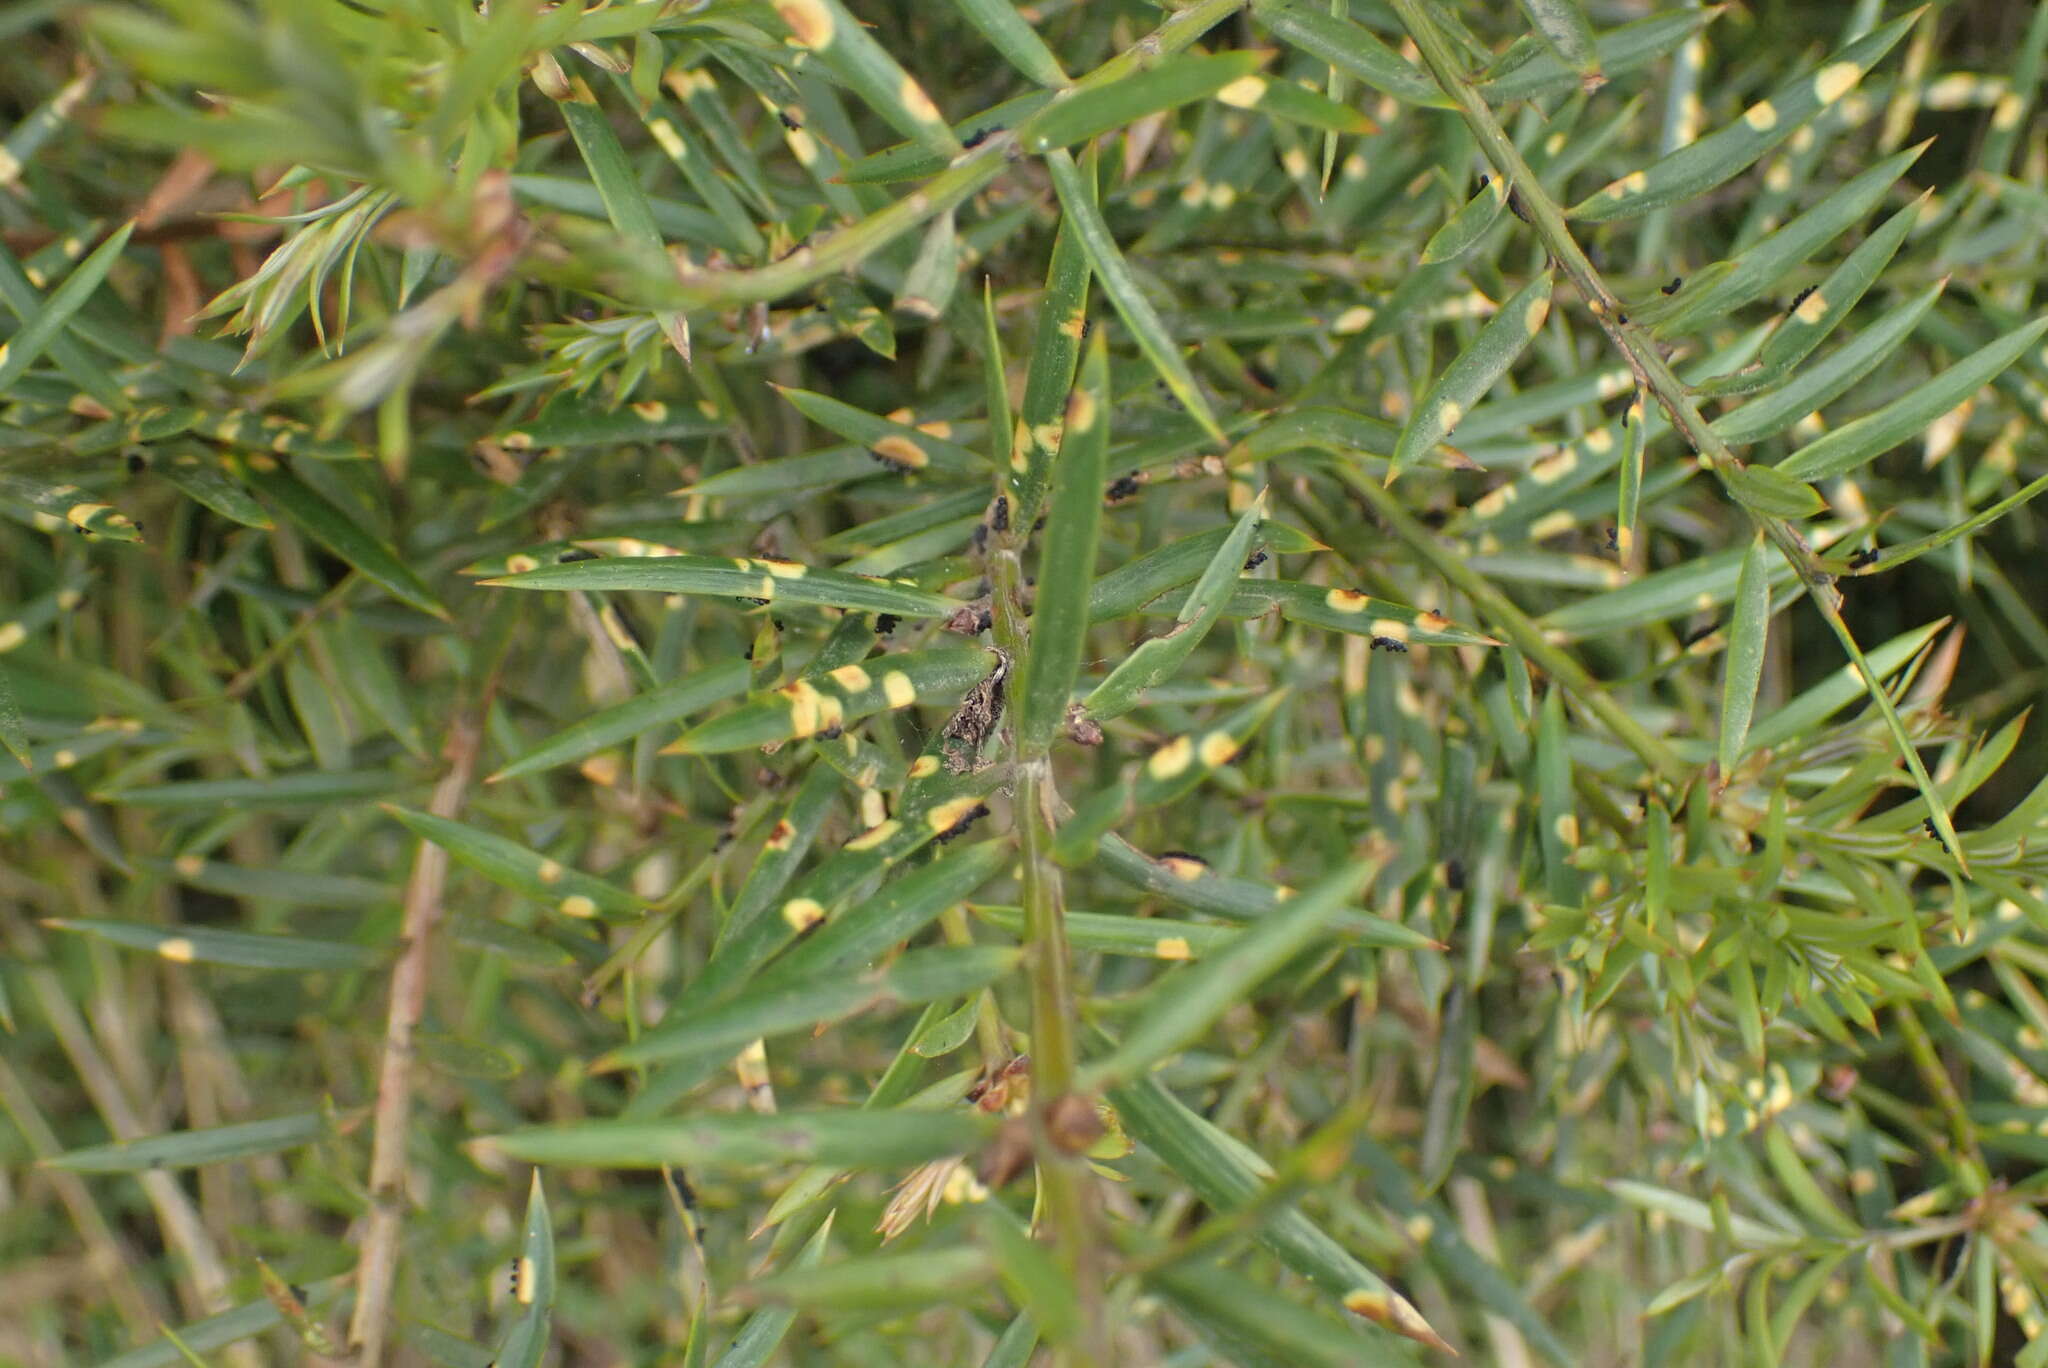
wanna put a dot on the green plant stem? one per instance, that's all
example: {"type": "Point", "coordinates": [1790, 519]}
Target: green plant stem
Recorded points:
{"type": "Point", "coordinates": [1653, 375]}
{"type": "Point", "coordinates": [1063, 1180]}
{"type": "Point", "coordinates": [1500, 612]}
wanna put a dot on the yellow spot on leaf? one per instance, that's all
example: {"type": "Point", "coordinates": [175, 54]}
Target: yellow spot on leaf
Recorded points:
{"type": "Point", "coordinates": [1217, 749]}
{"type": "Point", "coordinates": [1812, 308]}
{"type": "Point", "coordinates": [1567, 827]}
{"type": "Point", "coordinates": [899, 450]}
{"type": "Point", "coordinates": [918, 104]}
{"type": "Point", "coordinates": [951, 813]}
{"type": "Point", "coordinates": [803, 913]}
{"type": "Point", "coordinates": [925, 766]}
{"type": "Point", "coordinates": [580, 906]}
{"type": "Point", "coordinates": [875, 835]}
{"type": "Point", "coordinates": [851, 678]}
{"type": "Point", "coordinates": [1555, 467]}
{"type": "Point", "coordinates": [1634, 183]}
{"type": "Point", "coordinates": [549, 872]}
{"type": "Point", "coordinates": [810, 22]}
{"type": "Point", "coordinates": [178, 950]}
{"type": "Point", "coordinates": [651, 410]}
{"type": "Point", "coordinates": [1172, 759]}
{"type": "Point", "coordinates": [900, 693]}
{"type": "Point", "coordinates": [522, 1279]}
{"type": "Point", "coordinates": [1346, 600]}
{"type": "Point", "coordinates": [1835, 80]}
{"type": "Point", "coordinates": [803, 707]}
{"type": "Point", "coordinates": [1081, 411]}
{"type": "Point", "coordinates": [1761, 116]}
{"type": "Point", "coordinates": [12, 634]}
{"type": "Point", "coordinates": [1539, 309]}
{"type": "Point", "coordinates": [1355, 319]}
{"type": "Point", "coordinates": [1449, 413]}
{"type": "Point", "coordinates": [1182, 868]}
{"type": "Point", "coordinates": [1172, 948]}
{"type": "Point", "coordinates": [1244, 92]}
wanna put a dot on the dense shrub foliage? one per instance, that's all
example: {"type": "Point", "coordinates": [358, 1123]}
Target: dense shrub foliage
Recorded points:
{"type": "Point", "coordinates": [1273, 682]}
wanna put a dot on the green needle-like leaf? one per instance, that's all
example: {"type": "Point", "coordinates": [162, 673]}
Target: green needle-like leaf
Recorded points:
{"type": "Point", "coordinates": [1727, 152]}
{"type": "Point", "coordinates": [1563, 25]}
{"type": "Point", "coordinates": [1059, 621]}
{"type": "Point", "coordinates": [775, 581]}
{"type": "Point", "coordinates": [739, 1142]}
{"type": "Point", "coordinates": [46, 324]}
{"type": "Point", "coordinates": [195, 1148]}
{"type": "Point", "coordinates": [1008, 33]}
{"type": "Point", "coordinates": [778, 1005]}
{"type": "Point", "coordinates": [857, 58]}
{"type": "Point", "coordinates": [241, 949]}
{"type": "Point", "coordinates": [1146, 327]}
{"type": "Point", "coordinates": [1467, 379]}
{"type": "Point", "coordinates": [1189, 1004]}
{"type": "Point", "coordinates": [1728, 285]}
{"type": "Point", "coordinates": [533, 1286]}
{"type": "Point", "coordinates": [824, 704]}
{"type": "Point", "coordinates": [1083, 114]}
{"type": "Point", "coordinates": [341, 534]}
{"type": "Point", "coordinates": [1743, 665]}
{"type": "Point", "coordinates": [569, 891]}
{"type": "Point", "coordinates": [1158, 658]}
{"type": "Point", "coordinates": [1818, 384]}
{"type": "Point", "coordinates": [1855, 444]}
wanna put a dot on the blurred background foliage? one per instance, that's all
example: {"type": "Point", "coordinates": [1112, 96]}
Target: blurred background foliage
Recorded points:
{"type": "Point", "coordinates": [873, 683]}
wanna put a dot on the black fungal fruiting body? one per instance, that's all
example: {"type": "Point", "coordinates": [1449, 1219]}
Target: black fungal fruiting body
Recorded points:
{"type": "Point", "coordinates": [1387, 643]}
{"type": "Point", "coordinates": [1258, 558]}
{"type": "Point", "coordinates": [1799, 299]}
{"type": "Point", "coordinates": [999, 516]}
{"type": "Point", "coordinates": [981, 135]}
{"type": "Point", "coordinates": [1123, 486]}
{"type": "Point", "coordinates": [1865, 557]}
{"type": "Point", "coordinates": [886, 623]}
{"type": "Point", "coordinates": [959, 828]}
{"type": "Point", "coordinates": [1700, 633]}
{"type": "Point", "coordinates": [1672, 288]}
